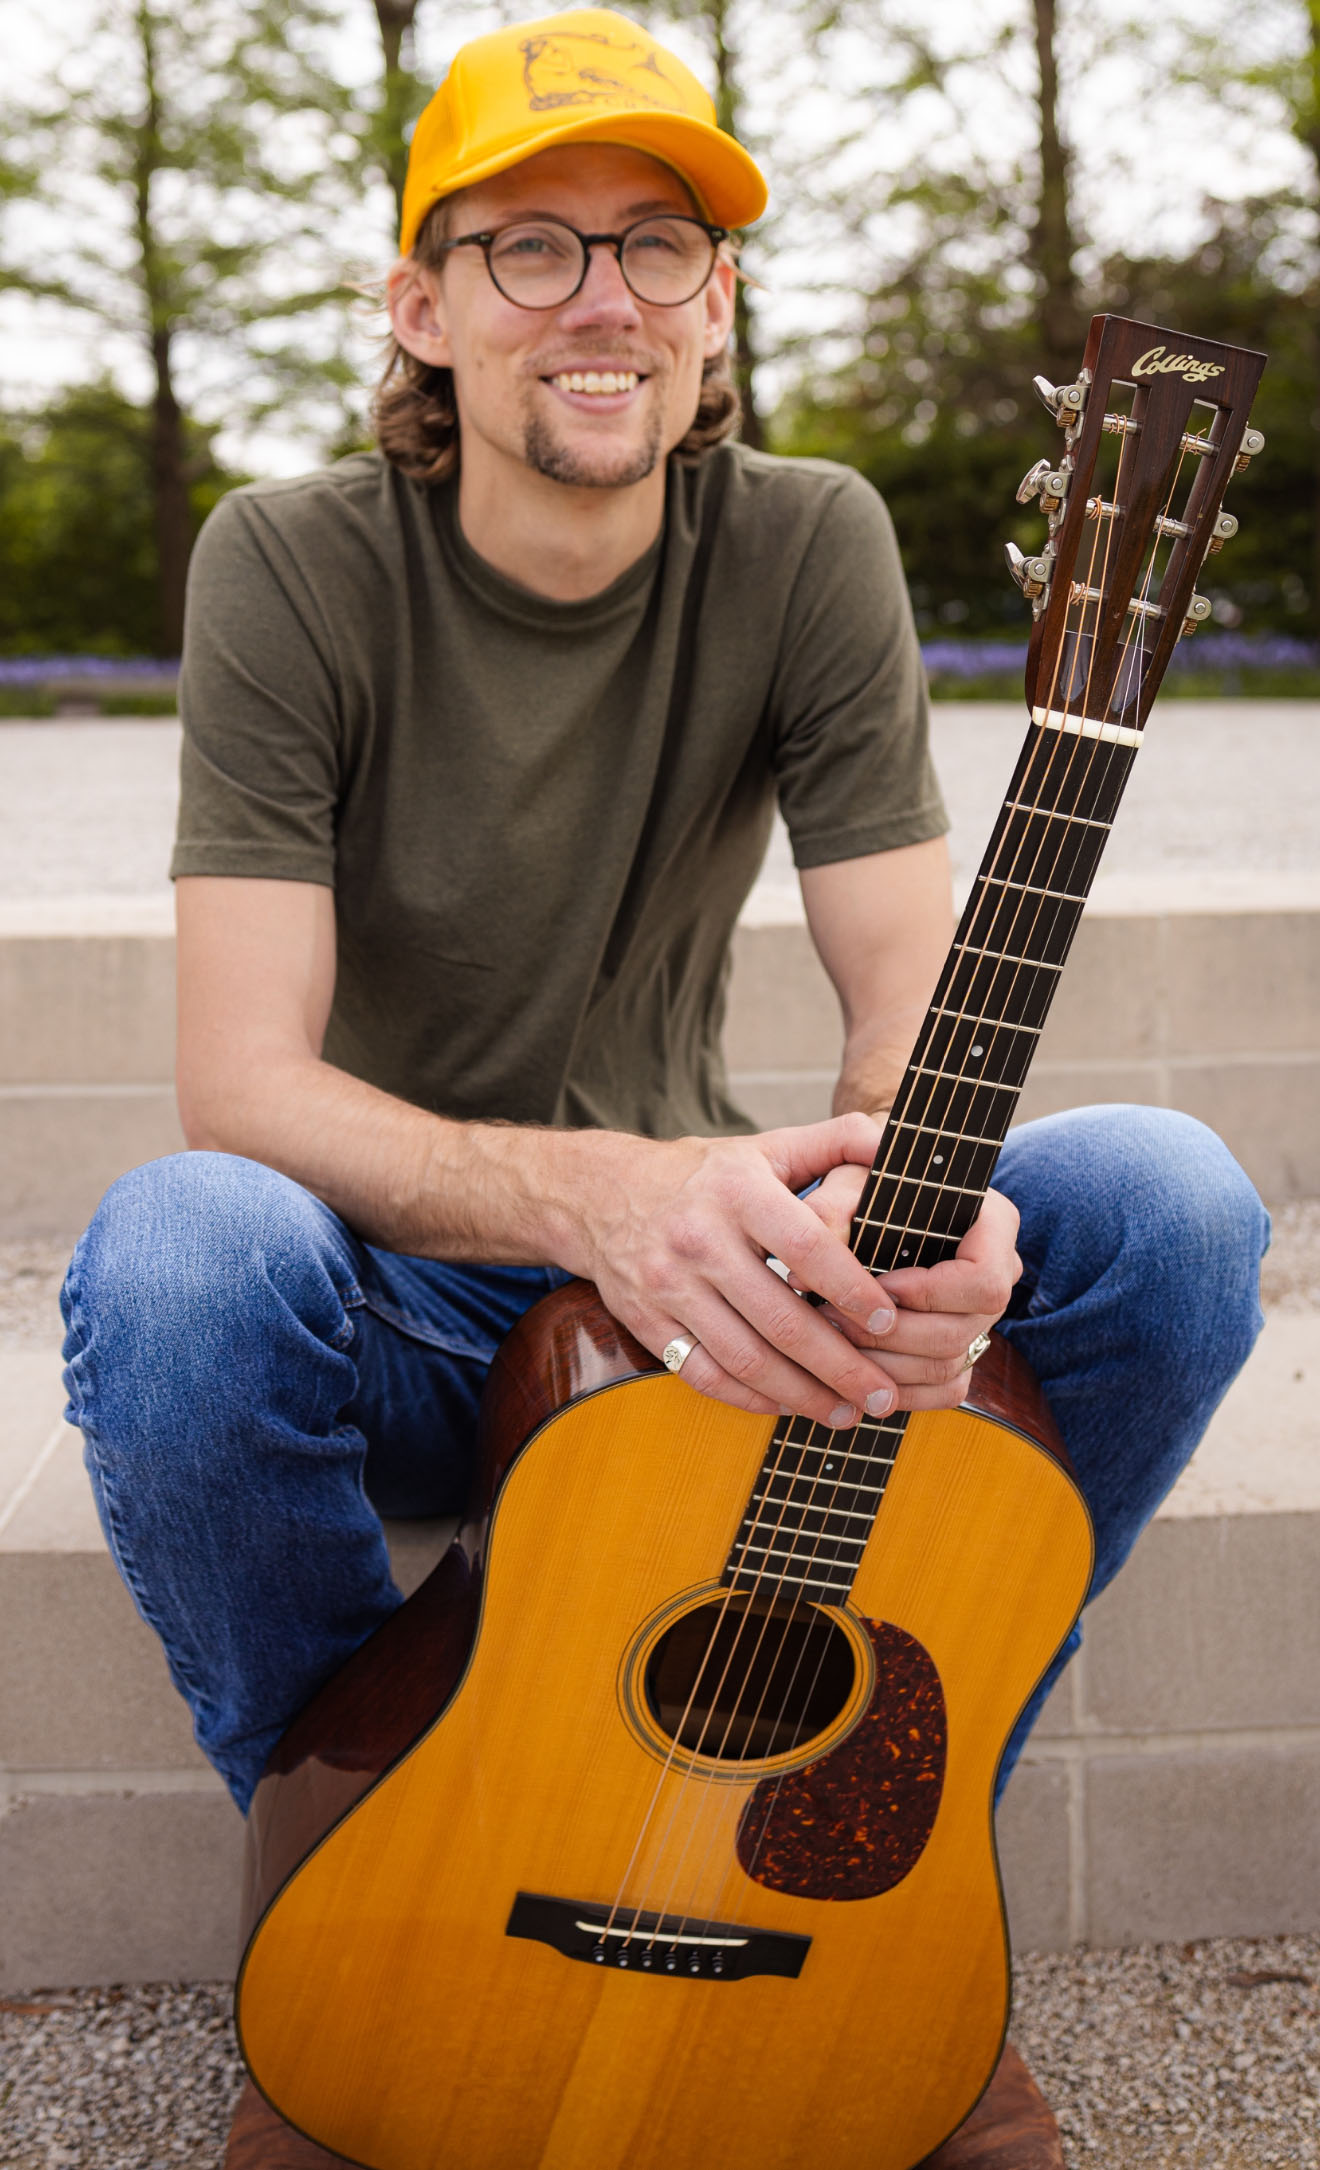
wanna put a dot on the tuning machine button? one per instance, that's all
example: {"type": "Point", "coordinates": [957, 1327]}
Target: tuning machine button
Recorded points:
{"type": "Point", "coordinates": [1031, 574]}
{"type": "Point", "coordinates": [1253, 441]}
{"type": "Point", "coordinates": [1224, 529]}
{"type": "Point", "coordinates": [1199, 610]}
{"type": "Point", "coordinates": [1065, 401]}
{"type": "Point", "coordinates": [1049, 484]}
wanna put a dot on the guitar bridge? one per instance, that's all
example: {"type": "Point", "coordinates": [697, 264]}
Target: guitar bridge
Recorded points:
{"type": "Point", "coordinates": [676, 1944]}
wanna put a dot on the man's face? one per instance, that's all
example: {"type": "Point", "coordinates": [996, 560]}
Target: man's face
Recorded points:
{"type": "Point", "coordinates": [512, 367]}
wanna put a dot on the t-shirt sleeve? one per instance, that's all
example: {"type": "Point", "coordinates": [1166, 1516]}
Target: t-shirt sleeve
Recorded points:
{"type": "Point", "coordinates": [849, 710]}
{"type": "Point", "coordinates": [260, 771]}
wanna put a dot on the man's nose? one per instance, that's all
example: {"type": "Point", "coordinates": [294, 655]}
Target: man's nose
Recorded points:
{"type": "Point", "coordinates": [604, 291]}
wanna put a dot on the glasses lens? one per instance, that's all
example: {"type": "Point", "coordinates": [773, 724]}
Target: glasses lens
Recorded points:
{"type": "Point", "coordinates": [537, 264]}
{"type": "Point", "coordinates": [667, 260]}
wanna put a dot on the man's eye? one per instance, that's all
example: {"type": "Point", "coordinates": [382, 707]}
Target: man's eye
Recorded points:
{"type": "Point", "coordinates": [538, 247]}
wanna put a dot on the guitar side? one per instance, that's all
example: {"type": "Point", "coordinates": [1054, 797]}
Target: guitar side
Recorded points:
{"type": "Point", "coordinates": [382, 2004]}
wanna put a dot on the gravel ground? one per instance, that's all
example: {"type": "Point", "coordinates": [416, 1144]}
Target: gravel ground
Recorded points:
{"type": "Point", "coordinates": [1170, 2057]}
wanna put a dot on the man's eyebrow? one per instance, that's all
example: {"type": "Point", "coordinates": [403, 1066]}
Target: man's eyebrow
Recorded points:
{"type": "Point", "coordinates": [633, 210]}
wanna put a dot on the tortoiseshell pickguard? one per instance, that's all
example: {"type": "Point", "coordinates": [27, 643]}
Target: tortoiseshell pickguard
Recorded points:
{"type": "Point", "coordinates": [855, 1823]}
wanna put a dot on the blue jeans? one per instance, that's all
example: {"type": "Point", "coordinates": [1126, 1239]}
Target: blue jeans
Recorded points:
{"type": "Point", "coordinates": [255, 1386]}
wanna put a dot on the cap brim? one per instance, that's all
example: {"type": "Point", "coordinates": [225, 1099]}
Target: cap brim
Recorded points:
{"type": "Point", "coordinates": [727, 182]}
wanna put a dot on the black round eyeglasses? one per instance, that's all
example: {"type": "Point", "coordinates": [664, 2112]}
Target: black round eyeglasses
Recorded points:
{"type": "Point", "coordinates": [542, 263]}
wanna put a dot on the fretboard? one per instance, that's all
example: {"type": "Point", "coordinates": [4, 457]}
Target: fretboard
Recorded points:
{"type": "Point", "coordinates": [818, 1492]}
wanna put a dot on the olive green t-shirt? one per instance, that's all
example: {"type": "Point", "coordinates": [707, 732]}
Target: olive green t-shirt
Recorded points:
{"type": "Point", "coordinates": [540, 819]}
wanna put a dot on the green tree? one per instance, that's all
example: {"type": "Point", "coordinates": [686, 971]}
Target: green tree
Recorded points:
{"type": "Point", "coordinates": [403, 92]}
{"type": "Point", "coordinates": [77, 530]}
{"type": "Point", "coordinates": [194, 162]}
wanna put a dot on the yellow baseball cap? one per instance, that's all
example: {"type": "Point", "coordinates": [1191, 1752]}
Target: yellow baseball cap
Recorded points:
{"type": "Point", "coordinates": [586, 76]}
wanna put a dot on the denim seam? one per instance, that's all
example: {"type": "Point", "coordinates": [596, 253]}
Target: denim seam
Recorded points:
{"type": "Point", "coordinates": [474, 1352]}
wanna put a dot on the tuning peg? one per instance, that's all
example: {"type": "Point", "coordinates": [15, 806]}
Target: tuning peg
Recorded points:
{"type": "Point", "coordinates": [1224, 529]}
{"type": "Point", "coordinates": [1048, 483]}
{"type": "Point", "coordinates": [1065, 401]}
{"type": "Point", "coordinates": [1198, 610]}
{"type": "Point", "coordinates": [1253, 441]}
{"type": "Point", "coordinates": [1031, 574]}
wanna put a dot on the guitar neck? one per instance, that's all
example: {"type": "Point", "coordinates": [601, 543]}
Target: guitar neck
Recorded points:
{"type": "Point", "coordinates": [1153, 429]}
{"type": "Point", "coordinates": [960, 1090]}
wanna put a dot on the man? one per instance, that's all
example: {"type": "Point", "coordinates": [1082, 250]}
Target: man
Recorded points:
{"type": "Point", "coordinates": [482, 738]}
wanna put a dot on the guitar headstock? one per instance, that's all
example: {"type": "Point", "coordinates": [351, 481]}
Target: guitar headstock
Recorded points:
{"type": "Point", "coordinates": [1154, 428]}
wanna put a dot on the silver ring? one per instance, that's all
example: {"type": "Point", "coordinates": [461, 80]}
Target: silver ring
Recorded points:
{"type": "Point", "coordinates": [675, 1353]}
{"type": "Point", "coordinates": [978, 1348]}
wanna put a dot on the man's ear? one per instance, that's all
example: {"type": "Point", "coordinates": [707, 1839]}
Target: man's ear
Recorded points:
{"type": "Point", "coordinates": [417, 312]}
{"type": "Point", "coordinates": [719, 293]}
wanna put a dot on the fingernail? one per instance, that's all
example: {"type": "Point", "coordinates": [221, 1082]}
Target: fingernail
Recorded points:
{"type": "Point", "coordinates": [845, 1414]}
{"type": "Point", "coordinates": [881, 1321]}
{"type": "Point", "coordinates": [879, 1403]}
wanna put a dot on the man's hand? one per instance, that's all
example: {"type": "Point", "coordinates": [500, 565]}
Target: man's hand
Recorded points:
{"type": "Point", "coordinates": [676, 1240]}
{"type": "Point", "coordinates": [940, 1309]}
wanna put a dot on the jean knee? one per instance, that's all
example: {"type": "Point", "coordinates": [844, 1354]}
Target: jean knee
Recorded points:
{"type": "Point", "coordinates": [178, 1264]}
{"type": "Point", "coordinates": [1148, 1205]}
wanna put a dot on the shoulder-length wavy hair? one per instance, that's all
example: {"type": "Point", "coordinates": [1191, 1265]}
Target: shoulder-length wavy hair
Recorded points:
{"type": "Point", "coordinates": [416, 416]}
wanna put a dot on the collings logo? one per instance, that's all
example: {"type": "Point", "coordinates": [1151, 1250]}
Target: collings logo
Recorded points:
{"type": "Point", "coordinates": [1156, 363]}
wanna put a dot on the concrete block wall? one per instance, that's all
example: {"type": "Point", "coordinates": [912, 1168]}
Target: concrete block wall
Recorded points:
{"type": "Point", "coordinates": [1213, 1011]}
{"type": "Point", "coordinates": [1216, 1012]}
{"type": "Point", "coordinates": [1172, 1788]}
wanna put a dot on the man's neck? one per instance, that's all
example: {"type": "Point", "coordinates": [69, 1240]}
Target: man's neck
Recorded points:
{"type": "Point", "coordinates": [560, 542]}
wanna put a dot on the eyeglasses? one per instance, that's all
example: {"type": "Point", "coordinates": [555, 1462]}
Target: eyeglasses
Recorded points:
{"type": "Point", "coordinates": [542, 263]}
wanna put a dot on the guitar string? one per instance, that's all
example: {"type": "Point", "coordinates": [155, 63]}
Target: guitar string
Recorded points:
{"type": "Point", "coordinates": [800, 1599]}
{"type": "Point", "coordinates": [775, 1576]}
{"type": "Point", "coordinates": [964, 1077]}
{"type": "Point", "coordinates": [1120, 678]}
{"type": "Point", "coordinates": [767, 1815]}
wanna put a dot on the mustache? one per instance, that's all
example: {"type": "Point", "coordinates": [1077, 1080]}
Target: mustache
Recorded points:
{"type": "Point", "coordinates": [602, 357]}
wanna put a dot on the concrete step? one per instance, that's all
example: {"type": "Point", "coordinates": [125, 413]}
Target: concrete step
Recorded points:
{"type": "Point", "coordinates": [1194, 981]}
{"type": "Point", "coordinates": [1172, 1789]}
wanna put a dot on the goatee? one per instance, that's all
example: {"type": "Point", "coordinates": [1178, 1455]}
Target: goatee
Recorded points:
{"type": "Point", "coordinates": [581, 470]}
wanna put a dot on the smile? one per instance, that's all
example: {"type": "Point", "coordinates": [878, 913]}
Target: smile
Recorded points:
{"type": "Point", "coordinates": [601, 381]}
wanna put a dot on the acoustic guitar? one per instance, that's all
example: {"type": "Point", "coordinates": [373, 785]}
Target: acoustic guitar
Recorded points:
{"type": "Point", "coordinates": [656, 1828]}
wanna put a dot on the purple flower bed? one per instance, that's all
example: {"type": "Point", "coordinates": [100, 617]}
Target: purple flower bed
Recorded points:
{"type": "Point", "coordinates": [1207, 652]}
{"type": "Point", "coordinates": [38, 670]}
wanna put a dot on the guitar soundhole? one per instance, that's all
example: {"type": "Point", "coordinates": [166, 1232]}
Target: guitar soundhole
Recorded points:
{"type": "Point", "coordinates": [742, 1678]}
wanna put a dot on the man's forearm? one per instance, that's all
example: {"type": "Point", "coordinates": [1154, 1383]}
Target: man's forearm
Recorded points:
{"type": "Point", "coordinates": [405, 1179]}
{"type": "Point", "coordinates": [873, 1065]}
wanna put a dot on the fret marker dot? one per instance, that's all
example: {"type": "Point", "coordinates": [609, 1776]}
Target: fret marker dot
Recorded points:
{"type": "Point", "coordinates": [905, 1254]}
{"type": "Point", "coordinates": [978, 1051]}
{"type": "Point", "coordinates": [828, 1467]}
{"type": "Point", "coordinates": [939, 1160]}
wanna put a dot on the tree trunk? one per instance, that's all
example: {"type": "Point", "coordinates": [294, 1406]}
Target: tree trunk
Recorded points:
{"type": "Point", "coordinates": [395, 20]}
{"type": "Point", "coordinates": [1308, 129]}
{"type": "Point", "coordinates": [728, 112]}
{"type": "Point", "coordinates": [169, 487]}
{"type": "Point", "coordinates": [1052, 246]}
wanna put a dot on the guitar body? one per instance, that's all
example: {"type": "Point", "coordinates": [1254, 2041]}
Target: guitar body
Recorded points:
{"type": "Point", "coordinates": [385, 2008]}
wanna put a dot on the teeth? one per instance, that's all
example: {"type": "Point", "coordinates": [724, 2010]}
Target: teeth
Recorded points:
{"type": "Point", "coordinates": [602, 381]}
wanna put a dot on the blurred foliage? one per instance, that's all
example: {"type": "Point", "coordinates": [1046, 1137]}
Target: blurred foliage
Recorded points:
{"type": "Point", "coordinates": [937, 411]}
{"type": "Point", "coordinates": [77, 538]}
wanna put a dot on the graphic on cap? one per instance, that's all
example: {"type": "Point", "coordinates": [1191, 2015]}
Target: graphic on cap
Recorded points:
{"type": "Point", "coordinates": [579, 67]}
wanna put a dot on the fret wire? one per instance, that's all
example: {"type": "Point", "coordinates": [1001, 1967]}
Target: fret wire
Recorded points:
{"type": "Point", "coordinates": [1048, 813]}
{"type": "Point", "coordinates": [1038, 964]}
{"type": "Point", "coordinates": [1060, 896]}
{"type": "Point", "coordinates": [908, 1228]}
{"type": "Point", "coordinates": [772, 1553]}
{"type": "Point", "coordinates": [937, 1182]}
{"type": "Point", "coordinates": [827, 1589]}
{"type": "Point", "coordinates": [937, 1130]}
{"type": "Point", "coordinates": [848, 1514]}
{"type": "Point", "coordinates": [978, 1084]}
{"type": "Point", "coordinates": [966, 1018]}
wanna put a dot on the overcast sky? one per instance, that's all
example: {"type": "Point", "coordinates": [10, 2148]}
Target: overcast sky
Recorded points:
{"type": "Point", "coordinates": [1148, 152]}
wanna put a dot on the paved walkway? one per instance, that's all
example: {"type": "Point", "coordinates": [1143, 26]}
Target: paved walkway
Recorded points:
{"type": "Point", "coordinates": [1225, 793]}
